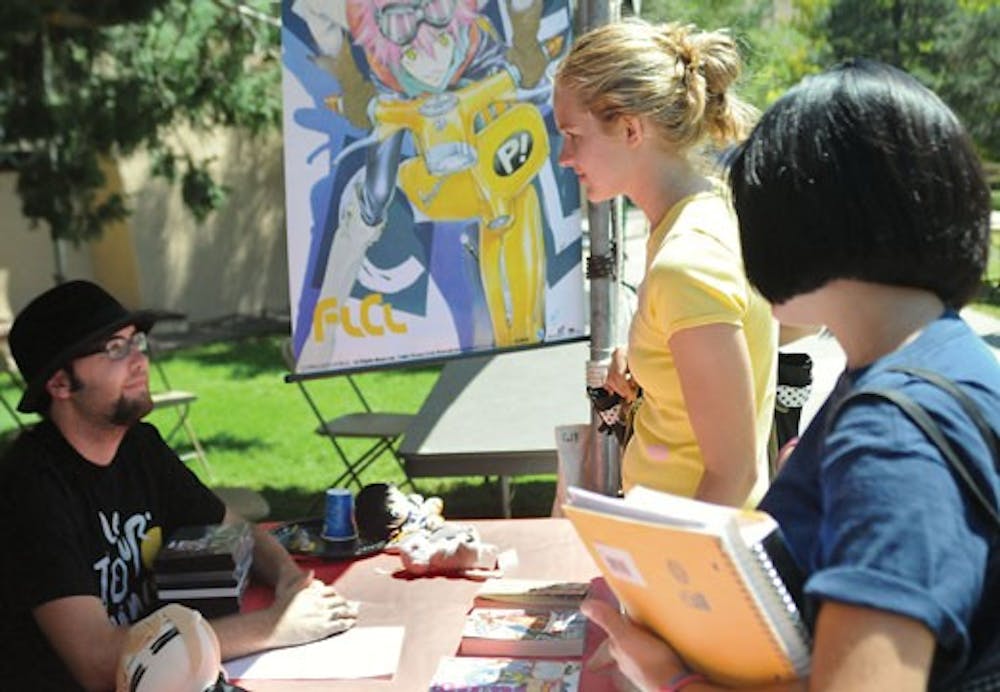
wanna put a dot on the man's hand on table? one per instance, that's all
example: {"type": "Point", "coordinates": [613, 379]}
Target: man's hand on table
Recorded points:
{"type": "Point", "coordinates": [305, 609]}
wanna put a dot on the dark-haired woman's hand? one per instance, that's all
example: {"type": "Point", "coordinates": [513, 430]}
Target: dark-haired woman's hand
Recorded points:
{"type": "Point", "coordinates": [642, 657]}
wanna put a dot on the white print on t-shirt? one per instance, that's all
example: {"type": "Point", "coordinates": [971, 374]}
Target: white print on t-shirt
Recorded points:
{"type": "Point", "coordinates": [121, 565]}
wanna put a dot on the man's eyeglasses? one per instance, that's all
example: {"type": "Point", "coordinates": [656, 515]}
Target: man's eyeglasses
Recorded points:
{"type": "Point", "coordinates": [119, 347]}
{"type": "Point", "coordinates": [400, 21]}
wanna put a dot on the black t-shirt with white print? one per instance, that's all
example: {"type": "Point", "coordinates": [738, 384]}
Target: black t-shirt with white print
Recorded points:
{"type": "Point", "coordinates": [69, 527]}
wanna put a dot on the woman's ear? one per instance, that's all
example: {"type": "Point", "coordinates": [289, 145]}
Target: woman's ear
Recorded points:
{"type": "Point", "coordinates": [634, 130]}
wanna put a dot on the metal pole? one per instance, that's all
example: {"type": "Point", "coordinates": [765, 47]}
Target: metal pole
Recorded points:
{"type": "Point", "coordinates": [601, 470]}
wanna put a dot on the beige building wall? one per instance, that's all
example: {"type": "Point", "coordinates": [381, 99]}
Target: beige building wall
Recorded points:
{"type": "Point", "coordinates": [113, 257]}
{"type": "Point", "coordinates": [232, 263]}
{"type": "Point", "coordinates": [27, 253]}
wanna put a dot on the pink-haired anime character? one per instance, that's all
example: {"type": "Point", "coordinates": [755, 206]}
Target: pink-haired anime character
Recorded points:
{"type": "Point", "coordinates": [416, 48]}
{"type": "Point", "coordinates": [413, 49]}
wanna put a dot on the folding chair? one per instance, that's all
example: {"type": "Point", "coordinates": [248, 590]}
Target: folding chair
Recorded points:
{"type": "Point", "coordinates": [247, 502]}
{"type": "Point", "coordinates": [12, 378]}
{"type": "Point", "coordinates": [179, 400]}
{"type": "Point", "coordinates": [250, 504]}
{"type": "Point", "coordinates": [8, 368]}
{"type": "Point", "coordinates": [383, 430]}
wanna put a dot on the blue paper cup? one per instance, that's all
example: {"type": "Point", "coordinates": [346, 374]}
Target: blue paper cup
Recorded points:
{"type": "Point", "coordinates": [338, 524]}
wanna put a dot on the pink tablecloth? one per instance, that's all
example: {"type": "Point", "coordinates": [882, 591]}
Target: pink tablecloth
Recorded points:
{"type": "Point", "coordinates": [433, 609]}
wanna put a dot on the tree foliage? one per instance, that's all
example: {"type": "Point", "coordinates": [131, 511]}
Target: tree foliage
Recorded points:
{"type": "Point", "coordinates": [968, 78]}
{"type": "Point", "coordinates": [952, 47]}
{"type": "Point", "coordinates": [778, 51]}
{"type": "Point", "coordinates": [90, 80]}
{"type": "Point", "coordinates": [87, 80]}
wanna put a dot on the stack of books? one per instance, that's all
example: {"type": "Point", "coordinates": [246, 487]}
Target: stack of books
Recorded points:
{"type": "Point", "coordinates": [521, 635]}
{"type": "Point", "coordinates": [205, 567]}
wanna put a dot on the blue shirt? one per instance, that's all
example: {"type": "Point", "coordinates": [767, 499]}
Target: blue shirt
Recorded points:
{"type": "Point", "coordinates": [875, 517]}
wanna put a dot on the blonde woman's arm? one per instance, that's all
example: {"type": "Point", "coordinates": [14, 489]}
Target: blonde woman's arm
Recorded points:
{"type": "Point", "coordinates": [713, 366]}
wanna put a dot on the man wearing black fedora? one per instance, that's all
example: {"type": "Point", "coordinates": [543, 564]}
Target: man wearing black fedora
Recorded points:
{"type": "Point", "coordinates": [86, 496]}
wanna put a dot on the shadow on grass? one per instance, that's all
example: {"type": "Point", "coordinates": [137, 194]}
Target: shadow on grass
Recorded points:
{"type": "Point", "coordinates": [479, 499]}
{"type": "Point", "coordinates": [254, 356]}
{"type": "Point", "coordinates": [463, 499]}
{"type": "Point", "coordinates": [231, 443]}
{"type": "Point", "coordinates": [246, 358]}
{"type": "Point", "coordinates": [992, 339]}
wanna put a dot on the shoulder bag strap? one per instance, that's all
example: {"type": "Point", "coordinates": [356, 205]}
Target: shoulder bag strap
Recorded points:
{"type": "Point", "coordinates": [970, 407]}
{"type": "Point", "coordinates": [991, 680]}
{"type": "Point", "coordinates": [923, 420]}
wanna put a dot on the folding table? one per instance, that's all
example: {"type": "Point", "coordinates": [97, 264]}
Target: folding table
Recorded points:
{"type": "Point", "coordinates": [496, 415]}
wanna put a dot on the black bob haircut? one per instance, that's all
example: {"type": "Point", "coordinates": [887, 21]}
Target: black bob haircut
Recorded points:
{"type": "Point", "coordinates": [861, 173]}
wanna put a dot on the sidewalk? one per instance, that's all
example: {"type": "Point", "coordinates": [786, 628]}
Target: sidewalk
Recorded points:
{"type": "Point", "coordinates": [828, 358]}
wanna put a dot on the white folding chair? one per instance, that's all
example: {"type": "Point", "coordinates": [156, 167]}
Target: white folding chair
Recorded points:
{"type": "Point", "coordinates": [11, 381]}
{"type": "Point", "coordinates": [166, 397]}
{"type": "Point", "coordinates": [247, 502]}
{"type": "Point", "coordinates": [8, 368]}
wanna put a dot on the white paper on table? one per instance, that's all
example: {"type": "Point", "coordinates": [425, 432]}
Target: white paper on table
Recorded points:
{"type": "Point", "coordinates": [360, 652]}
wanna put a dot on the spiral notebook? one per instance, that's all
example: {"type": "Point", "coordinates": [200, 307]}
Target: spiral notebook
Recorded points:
{"type": "Point", "coordinates": [716, 582]}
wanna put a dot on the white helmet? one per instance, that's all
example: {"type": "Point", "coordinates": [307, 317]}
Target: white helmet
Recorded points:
{"type": "Point", "coordinates": [171, 650]}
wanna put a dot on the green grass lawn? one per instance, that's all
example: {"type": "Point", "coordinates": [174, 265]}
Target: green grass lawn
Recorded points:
{"type": "Point", "coordinates": [257, 430]}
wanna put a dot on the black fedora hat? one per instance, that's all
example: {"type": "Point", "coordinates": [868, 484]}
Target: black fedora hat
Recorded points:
{"type": "Point", "coordinates": [59, 325]}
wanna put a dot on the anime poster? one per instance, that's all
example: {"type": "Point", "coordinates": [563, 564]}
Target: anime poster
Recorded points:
{"type": "Point", "coordinates": [427, 214]}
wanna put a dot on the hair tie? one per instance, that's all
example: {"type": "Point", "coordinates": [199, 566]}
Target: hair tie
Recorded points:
{"type": "Point", "coordinates": [694, 59]}
{"type": "Point", "coordinates": [691, 58]}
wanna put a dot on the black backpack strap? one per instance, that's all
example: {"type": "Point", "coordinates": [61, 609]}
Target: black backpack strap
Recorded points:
{"type": "Point", "coordinates": [989, 682]}
{"type": "Point", "coordinates": [968, 405]}
{"type": "Point", "coordinates": [923, 420]}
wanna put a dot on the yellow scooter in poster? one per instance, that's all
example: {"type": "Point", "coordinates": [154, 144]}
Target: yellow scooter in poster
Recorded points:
{"type": "Point", "coordinates": [478, 150]}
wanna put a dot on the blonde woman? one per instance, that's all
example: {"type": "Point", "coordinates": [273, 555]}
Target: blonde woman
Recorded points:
{"type": "Point", "coordinates": [636, 104]}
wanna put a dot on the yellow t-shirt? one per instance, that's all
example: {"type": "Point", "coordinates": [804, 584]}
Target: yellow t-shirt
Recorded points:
{"type": "Point", "coordinates": [694, 277]}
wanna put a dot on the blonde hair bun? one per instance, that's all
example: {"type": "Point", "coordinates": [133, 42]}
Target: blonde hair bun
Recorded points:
{"type": "Point", "coordinates": [676, 75]}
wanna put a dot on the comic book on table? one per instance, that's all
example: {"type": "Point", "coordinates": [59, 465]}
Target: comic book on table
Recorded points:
{"type": "Point", "coordinates": [716, 582]}
{"type": "Point", "coordinates": [475, 674]}
{"type": "Point", "coordinates": [536, 593]}
{"type": "Point", "coordinates": [523, 632]}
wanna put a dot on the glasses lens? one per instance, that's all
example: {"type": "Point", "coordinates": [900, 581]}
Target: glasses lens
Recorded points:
{"type": "Point", "coordinates": [398, 23]}
{"type": "Point", "coordinates": [439, 12]}
{"type": "Point", "coordinates": [118, 347]}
